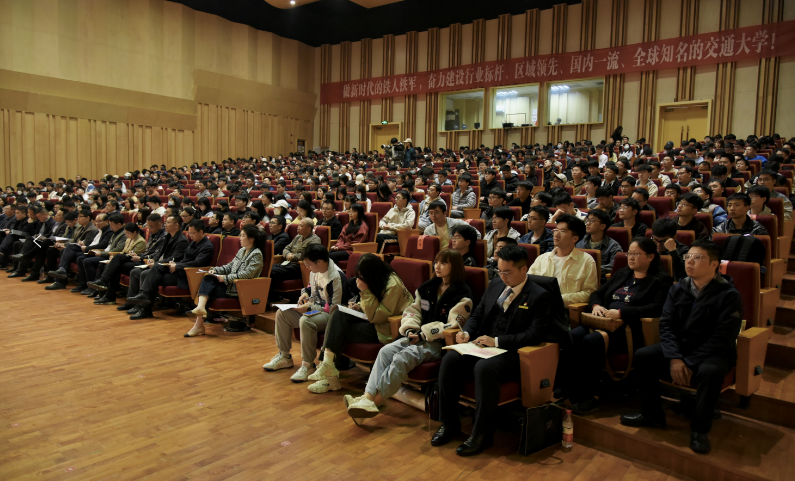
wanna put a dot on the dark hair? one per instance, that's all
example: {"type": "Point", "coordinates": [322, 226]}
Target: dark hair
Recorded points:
{"type": "Point", "coordinates": [713, 251]}
{"type": "Point", "coordinates": [648, 246]}
{"type": "Point", "coordinates": [499, 193]}
{"type": "Point", "coordinates": [116, 218]}
{"type": "Point", "coordinates": [467, 232]}
{"type": "Point", "coordinates": [438, 204]}
{"type": "Point", "coordinates": [308, 208]}
{"type": "Point", "coordinates": [761, 191]}
{"type": "Point", "coordinates": [316, 252]}
{"type": "Point", "coordinates": [383, 193]}
{"type": "Point", "coordinates": [574, 224]}
{"type": "Point", "coordinates": [153, 198]}
{"type": "Point", "coordinates": [644, 193]}
{"type": "Point", "coordinates": [132, 227]}
{"type": "Point", "coordinates": [515, 254]}
{"type": "Point", "coordinates": [664, 228]}
{"type": "Point", "coordinates": [509, 241]}
{"type": "Point", "coordinates": [694, 199]}
{"type": "Point", "coordinates": [456, 261]}
{"type": "Point", "coordinates": [154, 217]}
{"type": "Point", "coordinates": [69, 215]}
{"type": "Point", "coordinates": [630, 202]}
{"type": "Point", "coordinates": [739, 196]}
{"type": "Point", "coordinates": [504, 213]}
{"type": "Point", "coordinates": [595, 180]}
{"type": "Point", "coordinates": [197, 224]}
{"type": "Point", "coordinates": [352, 228]}
{"type": "Point", "coordinates": [562, 199]}
{"type": "Point", "coordinates": [253, 216]}
{"type": "Point", "coordinates": [375, 273]}
{"type": "Point", "coordinates": [604, 192]}
{"type": "Point", "coordinates": [602, 216]}
{"type": "Point", "coordinates": [280, 220]}
{"type": "Point", "coordinates": [612, 167]}
{"type": "Point", "coordinates": [544, 198]}
{"type": "Point", "coordinates": [541, 210]}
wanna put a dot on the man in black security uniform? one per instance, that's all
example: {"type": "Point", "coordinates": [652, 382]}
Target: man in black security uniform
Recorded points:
{"type": "Point", "coordinates": [514, 313]}
{"type": "Point", "coordinates": [698, 341]}
{"type": "Point", "coordinates": [198, 254]}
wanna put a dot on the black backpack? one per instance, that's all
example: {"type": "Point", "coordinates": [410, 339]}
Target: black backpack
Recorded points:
{"type": "Point", "coordinates": [744, 248]}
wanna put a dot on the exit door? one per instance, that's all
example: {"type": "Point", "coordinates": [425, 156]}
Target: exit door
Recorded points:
{"type": "Point", "coordinates": [679, 123]}
{"type": "Point", "coordinates": [382, 134]}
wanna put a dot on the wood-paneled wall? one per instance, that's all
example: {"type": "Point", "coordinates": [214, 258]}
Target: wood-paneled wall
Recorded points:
{"type": "Point", "coordinates": [631, 100]}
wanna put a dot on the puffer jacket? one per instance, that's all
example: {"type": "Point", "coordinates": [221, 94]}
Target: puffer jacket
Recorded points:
{"type": "Point", "coordinates": [465, 200]}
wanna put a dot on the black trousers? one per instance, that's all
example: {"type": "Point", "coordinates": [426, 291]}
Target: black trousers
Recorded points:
{"type": "Point", "coordinates": [342, 329]}
{"type": "Point", "coordinates": [287, 272]}
{"type": "Point", "coordinates": [120, 264]}
{"type": "Point", "coordinates": [338, 256]}
{"type": "Point", "coordinates": [589, 358]}
{"type": "Point", "coordinates": [158, 275]}
{"type": "Point", "coordinates": [652, 366]}
{"type": "Point", "coordinates": [212, 288]}
{"type": "Point", "coordinates": [69, 254]}
{"type": "Point", "coordinates": [488, 375]}
{"type": "Point", "coordinates": [87, 268]}
{"type": "Point", "coordinates": [52, 256]}
{"type": "Point", "coordinates": [382, 238]}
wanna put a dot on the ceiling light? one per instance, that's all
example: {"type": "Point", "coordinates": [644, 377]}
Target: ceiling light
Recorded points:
{"type": "Point", "coordinates": [292, 2]}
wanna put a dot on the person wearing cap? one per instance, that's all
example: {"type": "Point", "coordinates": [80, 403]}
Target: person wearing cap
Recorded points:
{"type": "Point", "coordinates": [282, 208]}
{"type": "Point", "coordinates": [409, 154]}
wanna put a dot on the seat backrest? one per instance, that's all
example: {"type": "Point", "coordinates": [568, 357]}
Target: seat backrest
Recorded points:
{"type": "Point", "coordinates": [771, 223]}
{"type": "Point", "coordinates": [448, 199]}
{"type": "Point", "coordinates": [746, 277]}
{"type": "Point", "coordinates": [380, 208]}
{"type": "Point", "coordinates": [533, 251]}
{"type": "Point", "coordinates": [705, 219]}
{"type": "Point", "coordinates": [663, 205]}
{"type": "Point", "coordinates": [520, 227]}
{"type": "Point", "coordinates": [324, 232]}
{"type": "Point", "coordinates": [229, 247]}
{"type": "Point", "coordinates": [372, 224]}
{"type": "Point", "coordinates": [777, 208]}
{"type": "Point", "coordinates": [622, 235]}
{"type": "Point", "coordinates": [350, 271]}
{"type": "Point", "coordinates": [344, 218]}
{"type": "Point", "coordinates": [413, 272]}
{"type": "Point", "coordinates": [619, 261]}
{"type": "Point", "coordinates": [216, 241]}
{"type": "Point", "coordinates": [580, 201]}
{"type": "Point", "coordinates": [292, 230]}
{"type": "Point", "coordinates": [647, 217]}
{"type": "Point", "coordinates": [480, 253]}
{"type": "Point", "coordinates": [267, 259]}
{"type": "Point", "coordinates": [517, 213]}
{"type": "Point", "coordinates": [597, 257]}
{"type": "Point", "coordinates": [478, 224]}
{"type": "Point", "coordinates": [478, 281]}
{"type": "Point", "coordinates": [753, 255]}
{"type": "Point", "coordinates": [423, 247]}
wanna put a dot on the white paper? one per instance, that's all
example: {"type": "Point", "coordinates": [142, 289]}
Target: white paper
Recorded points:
{"type": "Point", "coordinates": [62, 239]}
{"type": "Point", "coordinates": [142, 266]}
{"type": "Point", "coordinates": [284, 307]}
{"type": "Point", "coordinates": [107, 261]}
{"type": "Point", "coordinates": [352, 312]}
{"type": "Point", "coordinates": [477, 351]}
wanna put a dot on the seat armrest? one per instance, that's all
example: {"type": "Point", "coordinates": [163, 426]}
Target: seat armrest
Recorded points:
{"type": "Point", "coordinates": [651, 330]}
{"type": "Point", "coordinates": [371, 247]}
{"type": "Point", "coordinates": [194, 280]}
{"type": "Point", "coordinates": [449, 336]}
{"type": "Point", "coordinates": [574, 312]}
{"type": "Point", "coordinates": [394, 326]}
{"type": "Point", "coordinates": [768, 301]}
{"type": "Point", "coordinates": [472, 213]}
{"type": "Point", "coordinates": [538, 365]}
{"type": "Point", "coordinates": [278, 259]}
{"type": "Point", "coordinates": [751, 350]}
{"type": "Point", "coordinates": [403, 239]}
{"type": "Point", "coordinates": [775, 276]}
{"type": "Point", "coordinates": [253, 295]}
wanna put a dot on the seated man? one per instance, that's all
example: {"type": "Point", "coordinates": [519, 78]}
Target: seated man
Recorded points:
{"type": "Point", "coordinates": [18, 228]}
{"type": "Point", "coordinates": [171, 248]}
{"type": "Point", "coordinates": [464, 238]}
{"type": "Point", "coordinates": [434, 190]}
{"type": "Point", "coordinates": [330, 219]}
{"type": "Point", "coordinates": [84, 235]}
{"type": "Point", "coordinates": [108, 281]}
{"type": "Point", "coordinates": [523, 197]}
{"type": "Point", "coordinates": [279, 237]}
{"type": "Point", "coordinates": [739, 222]}
{"type": "Point", "coordinates": [66, 230]}
{"type": "Point", "coordinates": [698, 342]}
{"type": "Point", "coordinates": [768, 179]}
{"type": "Point", "coordinates": [686, 210]}
{"type": "Point", "coordinates": [496, 198]}
{"type": "Point", "coordinates": [198, 254]}
{"type": "Point", "coordinates": [628, 213]}
{"type": "Point", "coordinates": [564, 205]}
{"type": "Point", "coordinates": [441, 225]}
{"type": "Point", "coordinates": [718, 214]}
{"type": "Point", "coordinates": [327, 288]}
{"type": "Point", "coordinates": [294, 253]}
{"type": "Point", "coordinates": [493, 267]}
{"type": "Point", "coordinates": [513, 313]}
{"type": "Point", "coordinates": [664, 234]}
{"type": "Point", "coordinates": [574, 269]}
{"type": "Point", "coordinates": [399, 217]}
{"type": "Point", "coordinates": [596, 238]}
{"type": "Point", "coordinates": [537, 232]}
{"type": "Point", "coordinates": [35, 246]}
{"type": "Point", "coordinates": [87, 267]}
{"type": "Point", "coordinates": [501, 223]}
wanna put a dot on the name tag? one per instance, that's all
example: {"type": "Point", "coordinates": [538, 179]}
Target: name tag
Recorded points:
{"type": "Point", "coordinates": [523, 307]}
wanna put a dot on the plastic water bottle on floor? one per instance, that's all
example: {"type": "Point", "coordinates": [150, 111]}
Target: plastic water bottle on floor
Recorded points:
{"type": "Point", "coordinates": [568, 431]}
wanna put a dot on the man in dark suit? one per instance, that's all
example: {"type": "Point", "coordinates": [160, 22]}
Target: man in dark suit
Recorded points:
{"type": "Point", "coordinates": [330, 219]}
{"type": "Point", "coordinates": [84, 236]}
{"type": "Point", "coordinates": [35, 246]}
{"type": "Point", "coordinates": [698, 342]}
{"type": "Point", "coordinates": [514, 313]}
{"type": "Point", "coordinates": [198, 254]}
{"type": "Point", "coordinates": [67, 227]}
{"type": "Point", "coordinates": [171, 247]}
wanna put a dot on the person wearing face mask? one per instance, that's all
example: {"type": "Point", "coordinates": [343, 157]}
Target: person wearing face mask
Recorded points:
{"type": "Point", "coordinates": [361, 197]}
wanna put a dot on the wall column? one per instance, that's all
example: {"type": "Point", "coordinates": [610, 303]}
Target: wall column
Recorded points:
{"type": "Point", "coordinates": [614, 84]}
{"type": "Point", "coordinates": [647, 95]}
{"type": "Point", "coordinates": [688, 25]}
{"type": "Point", "coordinates": [723, 107]}
{"type": "Point", "coordinates": [364, 105]}
{"type": "Point", "coordinates": [559, 13]}
{"type": "Point", "coordinates": [531, 41]}
{"type": "Point", "coordinates": [767, 90]}
{"type": "Point", "coordinates": [389, 69]}
{"type": "Point", "coordinates": [410, 114]}
{"type": "Point", "coordinates": [432, 99]}
{"type": "Point", "coordinates": [325, 109]}
{"type": "Point", "coordinates": [345, 107]}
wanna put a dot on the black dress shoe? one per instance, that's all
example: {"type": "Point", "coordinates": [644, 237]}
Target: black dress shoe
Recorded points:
{"type": "Point", "coordinates": [445, 434]}
{"type": "Point", "coordinates": [55, 286]}
{"type": "Point", "coordinates": [142, 314]}
{"type": "Point", "coordinates": [31, 278]}
{"type": "Point", "coordinates": [585, 407]}
{"type": "Point", "coordinates": [89, 292]}
{"type": "Point", "coordinates": [98, 285]}
{"type": "Point", "coordinates": [79, 288]}
{"type": "Point", "coordinates": [105, 301]}
{"type": "Point", "coordinates": [16, 274]}
{"type": "Point", "coordinates": [639, 420]}
{"type": "Point", "coordinates": [125, 307]}
{"type": "Point", "coordinates": [699, 442]}
{"type": "Point", "coordinates": [134, 310]}
{"type": "Point", "coordinates": [139, 299]}
{"type": "Point", "coordinates": [46, 280]}
{"type": "Point", "coordinates": [474, 445]}
{"type": "Point", "coordinates": [18, 257]}
{"type": "Point", "coordinates": [59, 273]}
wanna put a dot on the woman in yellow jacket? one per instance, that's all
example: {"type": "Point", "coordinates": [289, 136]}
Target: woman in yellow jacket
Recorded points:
{"type": "Point", "coordinates": [383, 295]}
{"type": "Point", "coordinates": [120, 263]}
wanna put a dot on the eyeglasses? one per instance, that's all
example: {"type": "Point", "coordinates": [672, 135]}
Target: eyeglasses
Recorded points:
{"type": "Point", "coordinates": [695, 257]}
{"type": "Point", "coordinates": [503, 273]}
{"type": "Point", "coordinates": [560, 231]}
{"type": "Point", "coordinates": [659, 241]}
{"type": "Point", "coordinates": [591, 221]}
{"type": "Point", "coordinates": [631, 255]}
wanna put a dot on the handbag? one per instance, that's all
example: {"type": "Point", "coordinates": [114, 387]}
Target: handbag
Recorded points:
{"type": "Point", "coordinates": [542, 427]}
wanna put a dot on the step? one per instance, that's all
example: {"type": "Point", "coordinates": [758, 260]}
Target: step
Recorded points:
{"type": "Point", "coordinates": [791, 263]}
{"type": "Point", "coordinates": [774, 402]}
{"type": "Point", "coordinates": [785, 311]}
{"type": "Point", "coordinates": [788, 284]}
{"type": "Point", "coordinates": [742, 450]}
{"type": "Point", "coordinates": [781, 347]}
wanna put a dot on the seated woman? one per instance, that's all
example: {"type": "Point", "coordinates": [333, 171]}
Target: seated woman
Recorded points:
{"type": "Point", "coordinates": [382, 295]}
{"type": "Point", "coordinates": [205, 209]}
{"type": "Point", "coordinates": [220, 283]}
{"type": "Point", "coordinates": [443, 302]}
{"type": "Point", "coordinates": [187, 215]}
{"type": "Point", "coordinates": [354, 233]}
{"type": "Point", "coordinates": [305, 211]}
{"type": "Point", "coordinates": [634, 292]}
{"type": "Point", "coordinates": [361, 196]}
{"type": "Point", "coordinates": [108, 274]}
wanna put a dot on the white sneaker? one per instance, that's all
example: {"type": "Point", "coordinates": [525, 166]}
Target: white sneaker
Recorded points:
{"type": "Point", "coordinates": [301, 374]}
{"type": "Point", "coordinates": [323, 371]}
{"type": "Point", "coordinates": [363, 408]}
{"type": "Point", "coordinates": [279, 361]}
{"type": "Point", "coordinates": [348, 400]}
{"type": "Point", "coordinates": [326, 385]}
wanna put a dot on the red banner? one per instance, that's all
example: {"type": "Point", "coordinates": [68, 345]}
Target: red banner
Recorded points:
{"type": "Point", "coordinates": [747, 43]}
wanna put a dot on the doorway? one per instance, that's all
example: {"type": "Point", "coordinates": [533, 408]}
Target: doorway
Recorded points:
{"type": "Point", "coordinates": [681, 121]}
{"type": "Point", "coordinates": [381, 134]}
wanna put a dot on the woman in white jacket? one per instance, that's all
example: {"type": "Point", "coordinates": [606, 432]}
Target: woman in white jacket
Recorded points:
{"type": "Point", "coordinates": [443, 302]}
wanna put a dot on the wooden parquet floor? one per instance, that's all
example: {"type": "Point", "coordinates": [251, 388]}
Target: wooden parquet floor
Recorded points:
{"type": "Point", "coordinates": [87, 394]}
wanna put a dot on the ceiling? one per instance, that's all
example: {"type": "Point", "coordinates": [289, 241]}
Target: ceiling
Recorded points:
{"type": "Point", "coordinates": [318, 22]}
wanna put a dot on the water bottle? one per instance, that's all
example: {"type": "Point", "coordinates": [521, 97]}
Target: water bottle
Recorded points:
{"type": "Point", "coordinates": [568, 431]}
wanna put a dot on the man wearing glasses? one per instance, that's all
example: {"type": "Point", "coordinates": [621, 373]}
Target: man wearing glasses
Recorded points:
{"type": "Point", "coordinates": [574, 269]}
{"type": "Point", "coordinates": [664, 234]}
{"type": "Point", "coordinates": [596, 225]}
{"type": "Point", "coordinates": [698, 344]}
{"type": "Point", "coordinates": [688, 206]}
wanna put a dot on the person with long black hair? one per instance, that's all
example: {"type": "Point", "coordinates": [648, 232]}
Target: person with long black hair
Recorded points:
{"type": "Point", "coordinates": [354, 233]}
